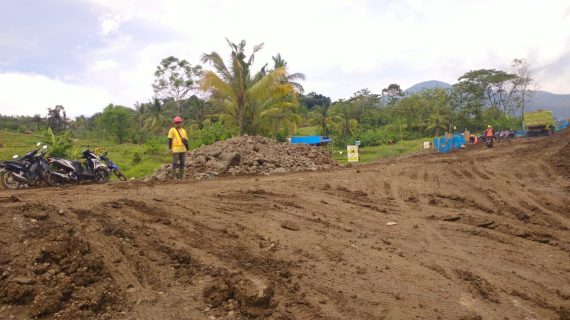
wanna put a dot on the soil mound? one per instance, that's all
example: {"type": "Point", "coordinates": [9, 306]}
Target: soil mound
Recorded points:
{"type": "Point", "coordinates": [52, 271]}
{"type": "Point", "coordinates": [251, 155]}
{"type": "Point", "coordinates": [561, 159]}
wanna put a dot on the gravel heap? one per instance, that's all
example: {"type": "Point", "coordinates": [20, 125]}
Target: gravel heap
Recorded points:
{"type": "Point", "coordinates": [246, 155]}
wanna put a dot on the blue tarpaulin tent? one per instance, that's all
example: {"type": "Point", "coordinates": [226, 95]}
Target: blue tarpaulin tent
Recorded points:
{"type": "Point", "coordinates": [444, 144]}
{"type": "Point", "coordinates": [312, 140]}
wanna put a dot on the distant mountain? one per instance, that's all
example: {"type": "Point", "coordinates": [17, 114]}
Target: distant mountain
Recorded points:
{"type": "Point", "coordinates": [558, 103]}
{"type": "Point", "coordinates": [431, 84]}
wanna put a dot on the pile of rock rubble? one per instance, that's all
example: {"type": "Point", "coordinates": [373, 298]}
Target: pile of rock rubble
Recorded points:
{"type": "Point", "coordinates": [246, 155]}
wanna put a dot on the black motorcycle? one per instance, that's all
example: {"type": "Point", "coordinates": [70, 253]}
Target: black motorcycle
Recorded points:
{"type": "Point", "coordinates": [31, 169]}
{"type": "Point", "coordinates": [92, 169]}
{"type": "Point", "coordinates": [489, 142]}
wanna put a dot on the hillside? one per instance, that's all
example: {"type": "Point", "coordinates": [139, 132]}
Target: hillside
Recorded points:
{"type": "Point", "coordinates": [558, 103]}
{"type": "Point", "coordinates": [475, 234]}
{"type": "Point", "coordinates": [431, 84]}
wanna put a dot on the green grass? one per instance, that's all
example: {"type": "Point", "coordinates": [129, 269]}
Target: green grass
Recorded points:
{"type": "Point", "coordinates": [121, 154]}
{"type": "Point", "coordinates": [370, 154]}
{"type": "Point", "coordinates": [307, 131]}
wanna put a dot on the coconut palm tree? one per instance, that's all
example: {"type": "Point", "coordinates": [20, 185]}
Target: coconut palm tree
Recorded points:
{"type": "Point", "coordinates": [240, 91]}
{"type": "Point", "coordinates": [437, 121]}
{"type": "Point", "coordinates": [140, 113]}
{"type": "Point", "coordinates": [321, 116]}
{"type": "Point", "coordinates": [344, 114]}
{"type": "Point", "coordinates": [279, 62]}
{"type": "Point", "coordinates": [155, 117]}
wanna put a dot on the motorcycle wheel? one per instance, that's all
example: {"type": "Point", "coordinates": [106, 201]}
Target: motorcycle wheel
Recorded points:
{"type": "Point", "coordinates": [101, 176]}
{"type": "Point", "coordinates": [9, 182]}
{"type": "Point", "coordinates": [49, 179]}
{"type": "Point", "coordinates": [120, 174]}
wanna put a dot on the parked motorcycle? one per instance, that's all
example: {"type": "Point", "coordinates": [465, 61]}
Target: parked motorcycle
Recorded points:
{"type": "Point", "coordinates": [115, 168]}
{"type": "Point", "coordinates": [31, 169]}
{"type": "Point", "coordinates": [93, 169]}
{"type": "Point", "coordinates": [507, 135]}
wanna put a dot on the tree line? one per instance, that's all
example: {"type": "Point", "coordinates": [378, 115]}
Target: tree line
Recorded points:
{"type": "Point", "coordinates": [226, 97]}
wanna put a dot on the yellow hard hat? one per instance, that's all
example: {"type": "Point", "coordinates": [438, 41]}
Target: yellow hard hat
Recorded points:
{"type": "Point", "coordinates": [489, 126]}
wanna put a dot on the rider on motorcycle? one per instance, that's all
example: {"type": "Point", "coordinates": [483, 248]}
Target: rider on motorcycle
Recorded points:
{"type": "Point", "coordinates": [489, 133]}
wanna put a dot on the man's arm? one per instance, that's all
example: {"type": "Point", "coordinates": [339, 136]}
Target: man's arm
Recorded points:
{"type": "Point", "coordinates": [170, 139]}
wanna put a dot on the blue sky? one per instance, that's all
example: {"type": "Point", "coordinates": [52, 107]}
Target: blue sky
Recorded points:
{"type": "Point", "coordinates": [85, 54]}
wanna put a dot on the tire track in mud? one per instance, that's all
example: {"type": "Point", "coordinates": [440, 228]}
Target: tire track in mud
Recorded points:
{"type": "Point", "coordinates": [461, 242]}
{"type": "Point", "coordinates": [230, 249]}
{"type": "Point", "coordinates": [539, 232]}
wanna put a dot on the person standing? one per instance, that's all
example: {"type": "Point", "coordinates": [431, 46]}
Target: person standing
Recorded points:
{"type": "Point", "coordinates": [178, 145]}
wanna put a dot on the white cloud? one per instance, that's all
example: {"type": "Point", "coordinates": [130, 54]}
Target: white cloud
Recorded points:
{"type": "Point", "coordinates": [435, 40]}
{"type": "Point", "coordinates": [109, 25]}
{"type": "Point", "coordinates": [341, 45]}
{"type": "Point", "coordinates": [103, 65]}
{"type": "Point", "coordinates": [33, 94]}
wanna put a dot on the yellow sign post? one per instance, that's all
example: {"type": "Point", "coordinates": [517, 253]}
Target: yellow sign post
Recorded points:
{"type": "Point", "coordinates": [352, 153]}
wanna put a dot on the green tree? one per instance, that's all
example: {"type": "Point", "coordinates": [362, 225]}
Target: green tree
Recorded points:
{"type": "Point", "coordinates": [175, 79]}
{"type": "Point", "coordinates": [366, 103]}
{"type": "Point", "coordinates": [493, 88]}
{"type": "Point", "coordinates": [155, 118]}
{"type": "Point", "coordinates": [313, 99]}
{"type": "Point", "coordinates": [37, 120]}
{"type": "Point", "coordinates": [117, 120]}
{"type": "Point", "coordinates": [282, 111]}
{"type": "Point", "coordinates": [140, 114]}
{"type": "Point", "coordinates": [57, 118]}
{"type": "Point", "coordinates": [393, 92]}
{"type": "Point", "coordinates": [344, 113]}
{"type": "Point", "coordinates": [196, 111]}
{"type": "Point", "coordinates": [321, 116]}
{"type": "Point", "coordinates": [282, 115]}
{"type": "Point", "coordinates": [524, 84]}
{"type": "Point", "coordinates": [237, 89]}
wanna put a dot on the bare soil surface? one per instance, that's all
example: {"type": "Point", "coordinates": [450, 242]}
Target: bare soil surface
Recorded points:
{"type": "Point", "coordinates": [476, 234]}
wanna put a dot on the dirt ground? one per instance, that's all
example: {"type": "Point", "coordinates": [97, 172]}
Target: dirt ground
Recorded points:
{"type": "Point", "coordinates": [478, 234]}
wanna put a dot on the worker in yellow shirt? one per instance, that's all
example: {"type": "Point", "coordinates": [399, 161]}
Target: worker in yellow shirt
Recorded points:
{"type": "Point", "coordinates": [177, 144]}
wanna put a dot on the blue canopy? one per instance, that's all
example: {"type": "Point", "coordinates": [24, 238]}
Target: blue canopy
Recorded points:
{"type": "Point", "coordinates": [313, 140]}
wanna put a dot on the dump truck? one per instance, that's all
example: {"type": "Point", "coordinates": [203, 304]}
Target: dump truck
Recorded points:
{"type": "Point", "coordinates": [540, 122]}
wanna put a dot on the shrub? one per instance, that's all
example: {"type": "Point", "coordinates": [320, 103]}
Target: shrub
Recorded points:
{"type": "Point", "coordinates": [153, 146]}
{"type": "Point", "coordinates": [59, 144]}
{"type": "Point", "coordinates": [137, 158]}
{"type": "Point", "coordinates": [376, 137]}
{"type": "Point", "coordinates": [210, 133]}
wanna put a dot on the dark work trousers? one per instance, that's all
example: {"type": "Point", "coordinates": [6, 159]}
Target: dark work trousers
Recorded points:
{"type": "Point", "coordinates": [178, 162]}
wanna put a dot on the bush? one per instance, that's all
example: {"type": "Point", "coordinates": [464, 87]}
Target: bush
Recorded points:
{"type": "Point", "coordinates": [282, 135]}
{"type": "Point", "coordinates": [136, 158]}
{"type": "Point", "coordinates": [342, 141]}
{"type": "Point", "coordinates": [210, 133]}
{"type": "Point", "coordinates": [139, 136]}
{"type": "Point", "coordinates": [154, 146]}
{"type": "Point", "coordinates": [376, 137]}
{"type": "Point", "coordinates": [59, 144]}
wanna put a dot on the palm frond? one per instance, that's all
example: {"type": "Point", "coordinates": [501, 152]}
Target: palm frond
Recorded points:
{"type": "Point", "coordinates": [218, 63]}
{"type": "Point", "coordinates": [267, 86]}
{"type": "Point", "coordinates": [211, 82]}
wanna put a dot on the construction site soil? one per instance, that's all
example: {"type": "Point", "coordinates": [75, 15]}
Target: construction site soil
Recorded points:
{"type": "Point", "coordinates": [475, 234]}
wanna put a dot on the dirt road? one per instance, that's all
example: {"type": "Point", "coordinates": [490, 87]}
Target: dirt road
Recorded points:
{"type": "Point", "coordinates": [478, 234]}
